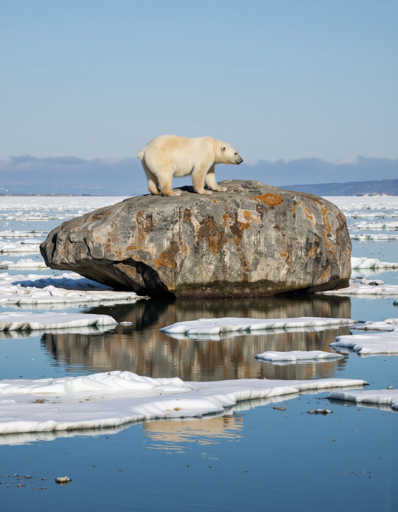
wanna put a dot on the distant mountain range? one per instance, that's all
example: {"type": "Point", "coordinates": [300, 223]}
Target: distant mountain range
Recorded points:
{"type": "Point", "coordinates": [106, 176]}
{"type": "Point", "coordinates": [353, 188]}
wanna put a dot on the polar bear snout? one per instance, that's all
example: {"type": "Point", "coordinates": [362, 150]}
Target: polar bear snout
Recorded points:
{"type": "Point", "coordinates": [238, 160]}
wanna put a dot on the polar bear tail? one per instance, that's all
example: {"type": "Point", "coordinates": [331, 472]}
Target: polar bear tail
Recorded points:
{"type": "Point", "coordinates": [141, 154]}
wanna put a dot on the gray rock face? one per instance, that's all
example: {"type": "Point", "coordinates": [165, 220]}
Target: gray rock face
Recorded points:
{"type": "Point", "coordinates": [253, 240]}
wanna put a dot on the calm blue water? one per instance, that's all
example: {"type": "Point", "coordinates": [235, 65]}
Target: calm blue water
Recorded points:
{"type": "Point", "coordinates": [255, 458]}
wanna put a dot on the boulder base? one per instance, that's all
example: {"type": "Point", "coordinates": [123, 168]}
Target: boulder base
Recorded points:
{"type": "Point", "coordinates": [253, 240]}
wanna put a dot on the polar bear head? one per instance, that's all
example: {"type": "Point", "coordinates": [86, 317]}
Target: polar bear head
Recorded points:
{"type": "Point", "coordinates": [228, 155]}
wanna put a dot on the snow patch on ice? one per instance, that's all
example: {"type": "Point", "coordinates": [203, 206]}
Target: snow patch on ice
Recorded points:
{"type": "Point", "coordinates": [297, 356]}
{"type": "Point", "coordinates": [115, 398]}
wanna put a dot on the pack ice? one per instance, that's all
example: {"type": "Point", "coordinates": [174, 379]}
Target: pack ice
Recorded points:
{"type": "Point", "coordinates": [211, 326]}
{"type": "Point", "coordinates": [386, 399]}
{"type": "Point", "coordinates": [359, 263]}
{"type": "Point", "coordinates": [68, 288]}
{"type": "Point", "coordinates": [297, 356]}
{"type": "Point", "coordinates": [52, 321]}
{"type": "Point", "coordinates": [25, 246]}
{"type": "Point", "coordinates": [23, 234]}
{"type": "Point", "coordinates": [369, 344]}
{"type": "Point", "coordinates": [373, 287]}
{"type": "Point", "coordinates": [26, 263]}
{"type": "Point", "coordinates": [115, 398]}
{"type": "Point", "coordinates": [376, 236]}
{"type": "Point", "coordinates": [375, 225]}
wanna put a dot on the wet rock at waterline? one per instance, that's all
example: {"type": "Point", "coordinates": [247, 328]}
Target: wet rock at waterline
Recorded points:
{"type": "Point", "coordinates": [252, 240]}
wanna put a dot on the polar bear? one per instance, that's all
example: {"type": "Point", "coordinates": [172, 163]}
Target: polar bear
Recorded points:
{"type": "Point", "coordinates": [172, 155]}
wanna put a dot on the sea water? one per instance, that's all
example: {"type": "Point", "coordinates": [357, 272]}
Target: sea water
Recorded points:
{"type": "Point", "coordinates": [255, 458]}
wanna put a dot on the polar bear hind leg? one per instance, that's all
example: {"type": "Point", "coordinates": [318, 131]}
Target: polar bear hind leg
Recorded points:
{"type": "Point", "coordinates": [211, 182]}
{"type": "Point", "coordinates": [165, 180]}
{"type": "Point", "coordinates": [153, 184]}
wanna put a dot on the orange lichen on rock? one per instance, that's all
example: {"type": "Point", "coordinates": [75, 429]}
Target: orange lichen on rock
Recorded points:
{"type": "Point", "coordinates": [309, 215]}
{"type": "Point", "coordinates": [168, 258]}
{"type": "Point", "coordinates": [325, 274]}
{"type": "Point", "coordinates": [269, 199]}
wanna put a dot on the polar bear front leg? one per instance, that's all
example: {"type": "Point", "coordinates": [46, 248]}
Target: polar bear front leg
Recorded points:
{"type": "Point", "coordinates": [211, 181]}
{"type": "Point", "coordinates": [198, 178]}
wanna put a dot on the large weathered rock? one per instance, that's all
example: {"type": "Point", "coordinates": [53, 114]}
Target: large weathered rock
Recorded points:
{"type": "Point", "coordinates": [253, 240]}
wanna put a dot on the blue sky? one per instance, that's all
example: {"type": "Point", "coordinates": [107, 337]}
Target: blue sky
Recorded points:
{"type": "Point", "coordinates": [278, 79]}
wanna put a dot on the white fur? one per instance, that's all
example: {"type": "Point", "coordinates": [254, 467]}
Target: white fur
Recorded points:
{"type": "Point", "coordinates": [172, 155]}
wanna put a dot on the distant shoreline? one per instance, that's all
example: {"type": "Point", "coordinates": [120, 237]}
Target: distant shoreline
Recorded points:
{"type": "Point", "coordinates": [62, 195]}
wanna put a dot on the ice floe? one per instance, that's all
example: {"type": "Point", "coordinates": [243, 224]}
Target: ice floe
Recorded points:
{"type": "Point", "coordinates": [297, 356]}
{"type": "Point", "coordinates": [370, 215]}
{"type": "Point", "coordinates": [369, 397]}
{"type": "Point", "coordinates": [371, 287]}
{"type": "Point", "coordinates": [391, 324]}
{"type": "Point", "coordinates": [23, 234]}
{"type": "Point", "coordinates": [352, 203]}
{"type": "Point", "coordinates": [359, 263]}
{"type": "Point", "coordinates": [26, 246]}
{"type": "Point", "coordinates": [115, 398]}
{"type": "Point", "coordinates": [52, 321]}
{"type": "Point", "coordinates": [375, 225]}
{"type": "Point", "coordinates": [68, 288]}
{"type": "Point", "coordinates": [376, 236]}
{"type": "Point", "coordinates": [215, 326]}
{"type": "Point", "coordinates": [27, 263]}
{"type": "Point", "coordinates": [371, 344]}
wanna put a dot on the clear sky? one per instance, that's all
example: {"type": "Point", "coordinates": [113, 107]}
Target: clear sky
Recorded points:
{"type": "Point", "coordinates": [277, 79]}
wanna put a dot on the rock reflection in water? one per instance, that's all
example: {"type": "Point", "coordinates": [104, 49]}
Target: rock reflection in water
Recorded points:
{"type": "Point", "coordinates": [142, 349]}
{"type": "Point", "coordinates": [172, 436]}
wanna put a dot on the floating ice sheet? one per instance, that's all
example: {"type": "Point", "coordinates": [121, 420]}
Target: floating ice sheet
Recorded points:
{"type": "Point", "coordinates": [376, 236]}
{"type": "Point", "coordinates": [370, 215]}
{"type": "Point", "coordinates": [68, 288]}
{"type": "Point", "coordinates": [115, 398]}
{"type": "Point", "coordinates": [27, 263]}
{"type": "Point", "coordinates": [375, 225]}
{"type": "Point", "coordinates": [381, 397]}
{"type": "Point", "coordinates": [51, 321]}
{"type": "Point", "coordinates": [297, 356]}
{"type": "Point", "coordinates": [365, 290]}
{"type": "Point", "coordinates": [391, 324]}
{"type": "Point", "coordinates": [359, 263]}
{"type": "Point", "coordinates": [23, 234]}
{"type": "Point", "coordinates": [226, 335]}
{"type": "Point", "coordinates": [369, 344]}
{"type": "Point", "coordinates": [26, 246]}
{"type": "Point", "coordinates": [210, 326]}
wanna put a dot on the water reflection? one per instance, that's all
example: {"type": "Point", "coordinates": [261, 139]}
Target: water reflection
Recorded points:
{"type": "Point", "coordinates": [171, 436]}
{"type": "Point", "coordinates": [141, 348]}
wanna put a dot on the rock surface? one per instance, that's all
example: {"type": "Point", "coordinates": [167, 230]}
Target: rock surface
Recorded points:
{"type": "Point", "coordinates": [253, 240]}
